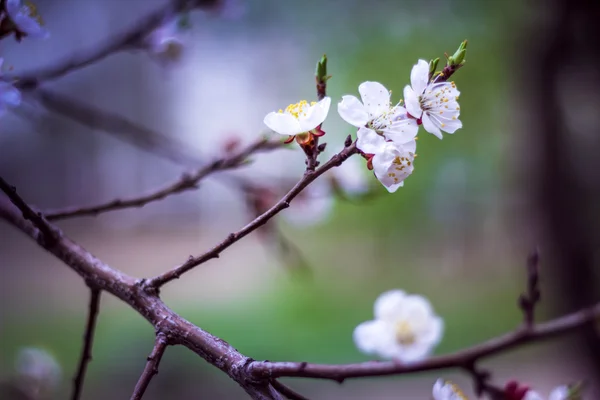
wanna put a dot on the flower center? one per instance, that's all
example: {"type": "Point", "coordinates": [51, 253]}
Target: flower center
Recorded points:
{"type": "Point", "coordinates": [31, 11]}
{"type": "Point", "coordinates": [456, 390]}
{"type": "Point", "coordinates": [382, 122]}
{"type": "Point", "coordinates": [436, 99]}
{"type": "Point", "coordinates": [174, 50]}
{"type": "Point", "coordinates": [298, 109]}
{"type": "Point", "coordinates": [404, 333]}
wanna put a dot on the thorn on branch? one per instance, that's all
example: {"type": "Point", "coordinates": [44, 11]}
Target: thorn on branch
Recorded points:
{"type": "Point", "coordinates": [348, 141]}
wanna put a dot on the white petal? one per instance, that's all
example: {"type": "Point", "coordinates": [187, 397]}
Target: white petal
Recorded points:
{"type": "Point", "coordinates": [369, 141]}
{"type": "Point", "coordinates": [388, 303]}
{"type": "Point", "coordinates": [371, 336]}
{"type": "Point", "coordinates": [559, 393]}
{"type": "Point", "coordinates": [415, 352]}
{"type": "Point", "coordinates": [315, 115]}
{"type": "Point", "coordinates": [438, 390]}
{"type": "Point", "coordinates": [353, 111]}
{"type": "Point", "coordinates": [13, 7]}
{"type": "Point", "coordinates": [375, 97]}
{"type": "Point", "coordinates": [30, 26]}
{"type": "Point", "coordinates": [402, 131]}
{"type": "Point", "coordinates": [430, 126]}
{"type": "Point", "coordinates": [532, 395]}
{"type": "Point", "coordinates": [411, 100]}
{"type": "Point", "coordinates": [419, 77]}
{"type": "Point", "coordinates": [282, 123]}
{"type": "Point", "coordinates": [410, 147]}
{"type": "Point", "coordinates": [433, 333]}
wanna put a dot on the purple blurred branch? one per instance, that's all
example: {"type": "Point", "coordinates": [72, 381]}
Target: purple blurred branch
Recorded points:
{"type": "Point", "coordinates": [151, 368]}
{"type": "Point", "coordinates": [88, 338]}
{"type": "Point", "coordinates": [119, 42]}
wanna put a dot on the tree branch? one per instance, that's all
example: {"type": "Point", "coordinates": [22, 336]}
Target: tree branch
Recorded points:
{"type": "Point", "coordinates": [463, 358]}
{"type": "Point", "coordinates": [151, 367]}
{"type": "Point", "coordinates": [184, 183]}
{"type": "Point", "coordinates": [156, 282]}
{"type": "Point", "coordinates": [88, 338]}
{"type": "Point", "coordinates": [119, 42]}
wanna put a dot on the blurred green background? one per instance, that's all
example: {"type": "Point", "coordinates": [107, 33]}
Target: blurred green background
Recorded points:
{"type": "Point", "coordinates": [455, 233]}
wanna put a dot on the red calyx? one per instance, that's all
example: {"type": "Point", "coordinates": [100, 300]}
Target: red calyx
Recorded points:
{"type": "Point", "coordinates": [513, 391]}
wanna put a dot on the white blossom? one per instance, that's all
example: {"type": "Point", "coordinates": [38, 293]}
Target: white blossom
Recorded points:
{"type": "Point", "coordinates": [445, 390]}
{"type": "Point", "coordinates": [299, 118]}
{"type": "Point", "coordinates": [26, 19]}
{"type": "Point", "coordinates": [38, 370]}
{"type": "Point", "coordinates": [312, 206]}
{"type": "Point", "coordinates": [558, 393]}
{"type": "Point", "coordinates": [376, 117]}
{"type": "Point", "coordinates": [165, 44]}
{"type": "Point", "coordinates": [434, 104]}
{"type": "Point", "coordinates": [9, 95]}
{"type": "Point", "coordinates": [405, 328]}
{"type": "Point", "coordinates": [393, 163]}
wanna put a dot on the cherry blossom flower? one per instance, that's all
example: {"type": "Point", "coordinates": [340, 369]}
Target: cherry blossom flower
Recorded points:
{"type": "Point", "coordinates": [445, 390]}
{"type": "Point", "coordinates": [559, 393]}
{"type": "Point", "coordinates": [26, 19]}
{"type": "Point", "coordinates": [300, 120]}
{"type": "Point", "coordinates": [405, 328]}
{"type": "Point", "coordinates": [393, 163]}
{"type": "Point", "coordinates": [376, 118]}
{"type": "Point", "coordinates": [514, 391]}
{"type": "Point", "coordinates": [435, 105]}
{"type": "Point", "coordinates": [38, 372]}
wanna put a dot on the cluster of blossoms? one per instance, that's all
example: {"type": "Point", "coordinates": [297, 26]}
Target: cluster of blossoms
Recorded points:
{"type": "Point", "coordinates": [387, 132]}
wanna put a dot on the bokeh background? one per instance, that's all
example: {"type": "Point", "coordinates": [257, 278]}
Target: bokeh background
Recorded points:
{"type": "Point", "coordinates": [458, 232]}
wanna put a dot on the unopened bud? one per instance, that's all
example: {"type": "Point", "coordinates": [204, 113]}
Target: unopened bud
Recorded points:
{"type": "Point", "coordinates": [321, 70]}
{"type": "Point", "coordinates": [458, 57]}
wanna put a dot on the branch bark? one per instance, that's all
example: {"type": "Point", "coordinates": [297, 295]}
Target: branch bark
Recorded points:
{"type": "Point", "coordinates": [151, 368]}
{"type": "Point", "coordinates": [88, 338]}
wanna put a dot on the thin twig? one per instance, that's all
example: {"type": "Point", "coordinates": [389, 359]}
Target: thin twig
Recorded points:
{"type": "Point", "coordinates": [309, 176]}
{"type": "Point", "coordinates": [466, 357]}
{"type": "Point", "coordinates": [119, 42]}
{"type": "Point", "coordinates": [151, 368]}
{"type": "Point", "coordinates": [184, 183]}
{"type": "Point", "coordinates": [88, 339]}
{"type": "Point", "coordinates": [529, 300]}
{"type": "Point", "coordinates": [287, 391]}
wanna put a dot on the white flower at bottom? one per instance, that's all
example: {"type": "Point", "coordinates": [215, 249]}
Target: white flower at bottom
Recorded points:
{"type": "Point", "coordinates": [445, 390]}
{"type": "Point", "coordinates": [393, 163]}
{"type": "Point", "coordinates": [38, 370]}
{"type": "Point", "coordinates": [434, 104]}
{"type": "Point", "coordinates": [299, 118]}
{"type": "Point", "coordinates": [558, 393]}
{"type": "Point", "coordinates": [405, 328]}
